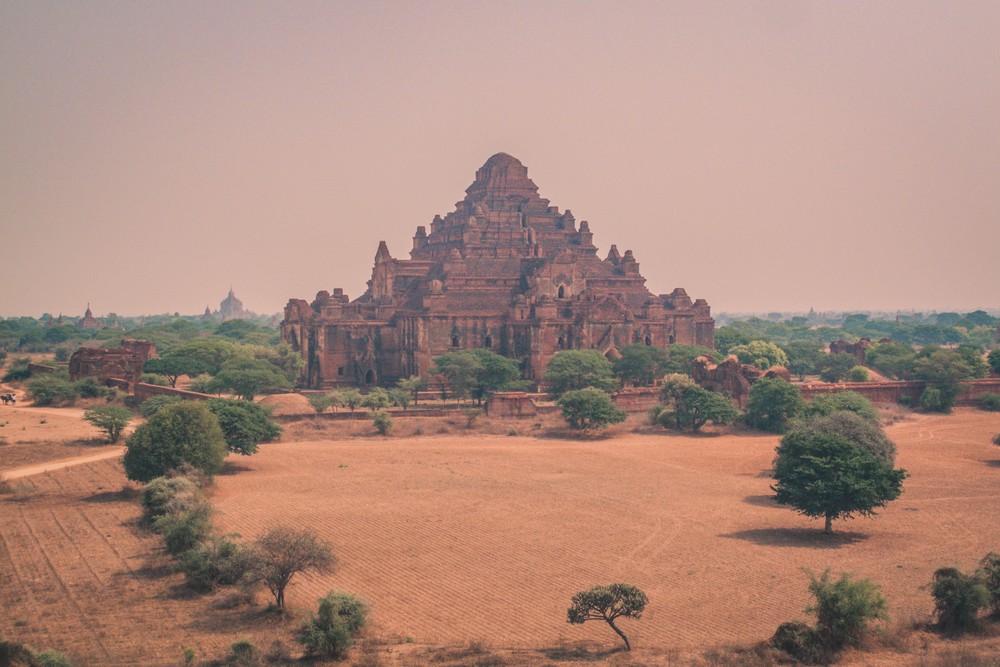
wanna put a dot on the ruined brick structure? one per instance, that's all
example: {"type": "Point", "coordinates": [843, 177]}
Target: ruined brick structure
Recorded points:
{"type": "Point", "coordinates": [504, 271]}
{"type": "Point", "coordinates": [104, 363]}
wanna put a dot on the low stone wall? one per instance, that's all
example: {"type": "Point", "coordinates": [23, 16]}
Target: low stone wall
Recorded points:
{"type": "Point", "coordinates": [511, 404]}
{"type": "Point", "coordinates": [639, 399]}
{"type": "Point", "coordinates": [41, 369]}
{"type": "Point", "coordinates": [360, 414]}
{"type": "Point", "coordinates": [144, 391]}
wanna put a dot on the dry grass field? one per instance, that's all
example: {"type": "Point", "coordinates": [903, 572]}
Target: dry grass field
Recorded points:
{"type": "Point", "coordinates": [471, 545]}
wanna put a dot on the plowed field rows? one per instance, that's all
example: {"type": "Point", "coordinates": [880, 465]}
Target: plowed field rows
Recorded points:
{"type": "Point", "coordinates": [454, 539]}
{"type": "Point", "coordinates": [76, 575]}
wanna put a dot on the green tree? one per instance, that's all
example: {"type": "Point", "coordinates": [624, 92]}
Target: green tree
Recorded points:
{"type": "Point", "coordinates": [803, 357]}
{"type": "Point", "coordinates": [172, 365]}
{"type": "Point", "coordinates": [376, 399]}
{"type": "Point", "coordinates": [319, 402]}
{"type": "Point", "coordinates": [942, 370]}
{"type": "Point", "coordinates": [958, 599]}
{"type": "Point", "coordinates": [826, 476]}
{"type": "Point", "coordinates": [680, 357]}
{"type": "Point", "coordinates": [892, 359]}
{"type": "Point", "coordinates": [460, 370]}
{"type": "Point", "coordinates": [331, 631]}
{"type": "Point", "coordinates": [760, 353]}
{"type": "Point", "coordinates": [589, 408]}
{"type": "Point", "coordinates": [994, 361]}
{"type": "Point", "coordinates": [399, 397]}
{"type": "Point", "coordinates": [973, 356]}
{"type": "Point", "coordinates": [576, 369]}
{"type": "Point", "coordinates": [244, 424]}
{"type": "Point", "coordinates": [249, 377]}
{"type": "Point", "coordinates": [608, 604]}
{"type": "Point", "coordinates": [350, 398]}
{"type": "Point", "coordinates": [989, 573]}
{"type": "Point", "coordinates": [695, 406]}
{"type": "Point", "coordinates": [110, 419]}
{"type": "Point", "coordinates": [730, 336]}
{"type": "Point", "coordinates": [772, 403]}
{"type": "Point", "coordinates": [186, 432]}
{"type": "Point", "coordinates": [860, 432]}
{"type": "Point", "coordinates": [207, 353]}
{"type": "Point", "coordinates": [497, 373]}
{"type": "Point", "coordinates": [412, 385]}
{"type": "Point", "coordinates": [283, 552]}
{"type": "Point", "coordinates": [672, 388]}
{"type": "Point", "coordinates": [858, 374]}
{"type": "Point", "coordinates": [640, 365]}
{"type": "Point", "coordinates": [835, 367]}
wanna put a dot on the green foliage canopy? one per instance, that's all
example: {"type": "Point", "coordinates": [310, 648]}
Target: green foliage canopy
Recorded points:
{"type": "Point", "coordinates": [185, 432]}
{"type": "Point", "coordinates": [608, 603]}
{"type": "Point", "coordinates": [577, 369]}
{"type": "Point", "coordinates": [589, 408]}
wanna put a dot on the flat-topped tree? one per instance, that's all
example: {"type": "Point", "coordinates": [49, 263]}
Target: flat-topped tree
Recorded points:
{"type": "Point", "coordinates": [608, 603]}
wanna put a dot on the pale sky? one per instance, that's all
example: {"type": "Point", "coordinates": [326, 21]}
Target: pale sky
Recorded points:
{"type": "Point", "coordinates": [762, 155]}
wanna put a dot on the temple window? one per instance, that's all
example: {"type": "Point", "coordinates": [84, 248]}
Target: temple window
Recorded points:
{"type": "Point", "coordinates": [488, 342]}
{"type": "Point", "coordinates": [454, 341]}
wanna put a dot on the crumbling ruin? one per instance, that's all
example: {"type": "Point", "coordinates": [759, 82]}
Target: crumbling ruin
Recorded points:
{"type": "Point", "coordinates": [124, 362]}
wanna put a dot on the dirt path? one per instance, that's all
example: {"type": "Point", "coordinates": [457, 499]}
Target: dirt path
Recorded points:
{"type": "Point", "coordinates": [26, 471]}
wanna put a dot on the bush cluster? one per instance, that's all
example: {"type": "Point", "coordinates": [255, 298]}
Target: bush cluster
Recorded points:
{"type": "Point", "coordinates": [331, 631]}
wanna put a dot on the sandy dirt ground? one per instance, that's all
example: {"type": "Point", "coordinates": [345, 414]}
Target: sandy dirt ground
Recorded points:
{"type": "Point", "coordinates": [471, 545]}
{"type": "Point", "coordinates": [455, 539]}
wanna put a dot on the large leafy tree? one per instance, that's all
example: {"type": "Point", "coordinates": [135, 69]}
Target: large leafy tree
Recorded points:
{"type": "Point", "coordinates": [892, 359]}
{"type": "Point", "coordinates": [640, 365]}
{"type": "Point", "coordinates": [173, 365]}
{"type": "Point", "coordinates": [608, 604]}
{"type": "Point", "coordinates": [825, 475]}
{"type": "Point", "coordinates": [577, 369]}
{"type": "Point", "coordinates": [249, 377]}
{"type": "Point", "coordinates": [835, 367]}
{"type": "Point", "coordinates": [694, 406]}
{"type": "Point", "coordinates": [185, 432]}
{"type": "Point", "coordinates": [760, 353]}
{"type": "Point", "coordinates": [244, 424]}
{"type": "Point", "coordinates": [589, 408]}
{"type": "Point", "coordinates": [860, 431]}
{"type": "Point", "coordinates": [803, 356]}
{"type": "Point", "coordinates": [942, 370]}
{"type": "Point", "coordinates": [478, 372]}
{"type": "Point", "coordinates": [772, 403]}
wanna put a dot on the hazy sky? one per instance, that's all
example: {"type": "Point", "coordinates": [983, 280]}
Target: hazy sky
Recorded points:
{"type": "Point", "coordinates": [763, 155]}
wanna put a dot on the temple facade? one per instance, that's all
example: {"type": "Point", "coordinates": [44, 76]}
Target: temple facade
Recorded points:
{"type": "Point", "coordinates": [505, 271]}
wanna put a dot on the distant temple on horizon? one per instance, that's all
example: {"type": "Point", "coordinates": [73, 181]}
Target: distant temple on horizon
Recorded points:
{"type": "Point", "coordinates": [230, 308]}
{"type": "Point", "coordinates": [504, 271]}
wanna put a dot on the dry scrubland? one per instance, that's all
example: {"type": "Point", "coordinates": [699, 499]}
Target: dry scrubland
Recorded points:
{"type": "Point", "coordinates": [475, 538]}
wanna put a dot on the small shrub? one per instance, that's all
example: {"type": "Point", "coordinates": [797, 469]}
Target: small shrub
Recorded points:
{"type": "Point", "coordinates": [989, 573]}
{"type": "Point", "coordinates": [798, 640]}
{"type": "Point", "coordinates": [381, 421]}
{"type": "Point", "coordinates": [154, 404]}
{"type": "Point", "coordinates": [189, 655]}
{"type": "Point", "coordinates": [277, 653]}
{"type": "Point", "coordinates": [18, 370]}
{"type": "Point", "coordinates": [990, 403]}
{"type": "Point", "coordinates": [905, 400]}
{"type": "Point", "coordinates": [858, 374]}
{"type": "Point", "coordinates": [471, 415]}
{"type": "Point", "coordinates": [110, 419]}
{"type": "Point", "coordinates": [512, 431]}
{"type": "Point", "coordinates": [996, 439]}
{"type": "Point", "coordinates": [165, 495]}
{"type": "Point", "coordinates": [89, 388]}
{"type": "Point", "coordinates": [52, 658]}
{"type": "Point", "coordinates": [376, 399]}
{"type": "Point", "coordinates": [958, 598]}
{"type": "Point", "coordinates": [844, 608]}
{"type": "Point", "coordinates": [183, 531]}
{"type": "Point", "coordinates": [53, 389]}
{"type": "Point", "coordinates": [13, 654]}
{"type": "Point", "coordinates": [217, 562]}
{"type": "Point", "coordinates": [243, 654]}
{"type": "Point", "coordinates": [331, 632]}
{"type": "Point", "coordinates": [849, 401]}
{"type": "Point", "coordinates": [203, 384]}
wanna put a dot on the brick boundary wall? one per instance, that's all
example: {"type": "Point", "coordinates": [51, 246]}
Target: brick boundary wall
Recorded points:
{"type": "Point", "coordinates": [42, 369]}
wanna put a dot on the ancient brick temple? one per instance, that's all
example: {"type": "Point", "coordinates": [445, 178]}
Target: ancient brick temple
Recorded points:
{"type": "Point", "coordinates": [504, 271]}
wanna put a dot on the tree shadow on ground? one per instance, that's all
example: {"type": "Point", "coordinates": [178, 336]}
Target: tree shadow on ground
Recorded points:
{"type": "Point", "coordinates": [90, 442]}
{"type": "Point", "coordinates": [581, 652]}
{"type": "Point", "coordinates": [765, 473]}
{"type": "Point", "coordinates": [995, 463]}
{"type": "Point", "coordinates": [575, 436]}
{"type": "Point", "coordinates": [232, 468]}
{"type": "Point", "coordinates": [761, 501]}
{"type": "Point", "coordinates": [126, 494]}
{"type": "Point", "coordinates": [813, 538]}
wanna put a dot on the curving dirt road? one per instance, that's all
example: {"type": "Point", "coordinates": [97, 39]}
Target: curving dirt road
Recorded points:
{"type": "Point", "coordinates": [26, 471]}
